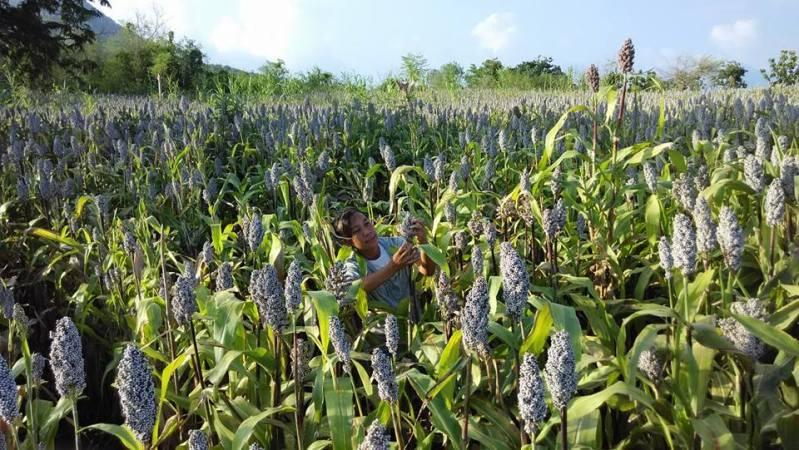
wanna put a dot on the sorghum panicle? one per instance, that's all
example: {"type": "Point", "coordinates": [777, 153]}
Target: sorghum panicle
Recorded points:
{"type": "Point", "coordinates": [137, 392]}
{"type": "Point", "coordinates": [651, 365]}
{"type": "Point", "coordinates": [392, 334]}
{"type": "Point", "coordinates": [224, 277]}
{"type": "Point", "coordinates": [775, 203]}
{"type": "Point", "coordinates": [198, 440]}
{"type": "Point", "coordinates": [730, 237]}
{"type": "Point", "coordinates": [741, 338]}
{"type": "Point", "coordinates": [446, 298]}
{"type": "Point", "coordinates": [383, 373]}
{"type": "Point", "coordinates": [666, 261]}
{"type": "Point", "coordinates": [559, 371]}
{"type": "Point", "coordinates": [66, 359]}
{"type": "Point", "coordinates": [376, 437]}
{"type": "Point", "coordinates": [341, 343]}
{"type": "Point", "coordinates": [475, 317]}
{"type": "Point", "coordinates": [8, 394]}
{"type": "Point", "coordinates": [706, 240]}
{"type": "Point", "coordinates": [626, 56]}
{"type": "Point", "coordinates": [293, 287]}
{"type": "Point", "coordinates": [515, 281]}
{"type": "Point", "coordinates": [683, 245]}
{"type": "Point", "coordinates": [532, 407]}
{"type": "Point", "coordinates": [592, 78]}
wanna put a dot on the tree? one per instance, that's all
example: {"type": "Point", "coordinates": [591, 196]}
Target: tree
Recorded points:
{"type": "Point", "coordinates": [638, 81]}
{"type": "Point", "coordinates": [414, 67]}
{"type": "Point", "coordinates": [783, 71]}
{"type": "Point", "coordinates": [317, 78]}
{"type": "Point", "coordinates": [448, 76]}
{"type": "Point", "coordinates": [693, 72]}
{"type": "Point", "coordinates": [487, 75]}
{"type": "Point", "coordinates": [37, 35]}
{"type": "Point", "coordinates": [730, 75]}
{"type": "Point", "coordinates": [540, 66]}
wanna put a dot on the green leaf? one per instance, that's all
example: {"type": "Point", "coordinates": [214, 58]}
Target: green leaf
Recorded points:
{"type": "Point", "coordinates": [704, 368]}
{"type": "Point", "coordinates": [709, 336]}
{"type": "Point", "coordinates": [499, 421]}
{"type": "Point", "coordinates": [582, 406]}
{"type": "Point", "coordinates": [537, 338]}
{"type": "Point", "coordinates": [393, 183]}
{"type": "Point", "coordinates": [442, 417]}
{"type": "Point", "coordinates": [275, 250]}
{"type": "Point", "coordinates": [366, 380]}
{"type": "Point", "coordinates": [791, 289]}
{"type": "Point", "coordinates": [51, 236]}
{"type": "Point", "coordinates": [361, 299]}
{"type": "Point", "coordinates": [785, 316]}
{"type": "Point", "coordinates": [713, 432]}
{"type": "Point", "coordinates": [61, 410]}
{"type": "Point", "coordinates": [494, 285]}
{"type": "Point", "coordinates": [584, 431]}
{"type": "Point", "coordinates": [215, 375]}
{"type": "Point", "coordinates": [564, 318]}
{"type": "Point", "coordinates": [644, 341]}
{"type": "Point", "coordinates": [216, 237]}
{"type": "Point", "coordinates": [338, 404]}
{"type": "Point", "coordinates": [788, 428]}
{"type": "Point", "coordinates": [653, 219]}
{"type": "Point", "coordinates": [504, 334]}
{"type": "Point", "coordinates": [549, 145]}
{"type": "Point", "coordinates": [80, 204]}
{"type": "Point", "coordinates": [245, 429]}
{"type": "Point", "coordinates": [319, 445]}
{"type": "Point", "coordinates": [436, 255]}
{"type": "Point", "coordinates": [768, 334]}
{"type": "Point", "coordinates": [124, 434]}
{"type": "Point", "coordinates": [485, 435]}
{"type": "Point", "coordinates": [696, 289]}
{"type": "Point", "coordinates": [450, 355]}
{"type": "Point", "coordinates": [326, 307]}
{"type": "Point", "coordinates": [661, 117]}
{"type": "Point", "coordinates": [166, 376]}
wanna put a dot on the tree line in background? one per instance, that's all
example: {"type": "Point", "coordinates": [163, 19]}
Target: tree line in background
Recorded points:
{"type": "Point", "coordinates": [47, 44]}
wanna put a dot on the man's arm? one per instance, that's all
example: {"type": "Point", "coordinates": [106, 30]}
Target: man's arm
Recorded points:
{"type": "Point", "coordinates": [375, 279]}
{"type": "Point", "coordinates": [404, 256]}
{"type": "Point", "coordinates": [427, 266]}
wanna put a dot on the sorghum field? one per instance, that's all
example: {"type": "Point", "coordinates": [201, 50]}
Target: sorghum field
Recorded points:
{"type": "Point", "coordinates": [617, 269]}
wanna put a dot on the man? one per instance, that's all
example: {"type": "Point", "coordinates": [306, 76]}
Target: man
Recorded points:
{"type": "Point", "coordinates": [389, 260]}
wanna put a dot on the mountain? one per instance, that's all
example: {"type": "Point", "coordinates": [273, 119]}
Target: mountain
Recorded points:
{"type": "Point", "coordinates": [102, 25]}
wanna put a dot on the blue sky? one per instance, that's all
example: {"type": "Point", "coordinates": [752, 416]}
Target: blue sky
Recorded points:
{"type": "Point", "coordinates": [369, 37]}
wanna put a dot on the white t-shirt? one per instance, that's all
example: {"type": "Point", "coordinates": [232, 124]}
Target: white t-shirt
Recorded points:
{"type": "Point", "coordinates": [396, 288]}
{"type": "Point", "coordinates": [381, 261]}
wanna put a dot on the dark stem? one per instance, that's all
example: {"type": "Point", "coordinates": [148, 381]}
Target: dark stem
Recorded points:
{"type": "Point", "coordinates": [199, 373]}
{"type": "Point", "coordinates": [257, 367]}
{"type": "Point", "coordinates": [494, 267]}
{"type": "Point", "coordinates": [395, 418]}
{"type": "Point", "coordinates": [276, 392]}
{"type": "Point", "coordinates": [298, 403]}
{"type": "Point", "coordinates": [772, 238]}
{"type": "Point", "coordinates": [564, 444]}
{"type": "Point", "coordinates": [467, 385]}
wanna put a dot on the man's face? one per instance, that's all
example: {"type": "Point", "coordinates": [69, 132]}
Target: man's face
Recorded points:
{"type": "Point", "coordinates": [363, 232]}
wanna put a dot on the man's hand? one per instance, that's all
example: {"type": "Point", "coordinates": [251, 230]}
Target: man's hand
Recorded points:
{"type": "Point", "coordinates": [418, 229]}
{"type": "Point", "coordinates": [405, 255]}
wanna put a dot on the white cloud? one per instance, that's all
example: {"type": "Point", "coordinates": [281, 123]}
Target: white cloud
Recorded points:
{"type": "Point", "coordinates": [265, 29]}
{"type": "Point", "coordinates": [495, 31]}
{"type": "Point", "coordinates": [734, 35]}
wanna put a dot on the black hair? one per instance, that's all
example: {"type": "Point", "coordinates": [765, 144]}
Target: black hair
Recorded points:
{"type": "Point", "coordinates": [341, 227]}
